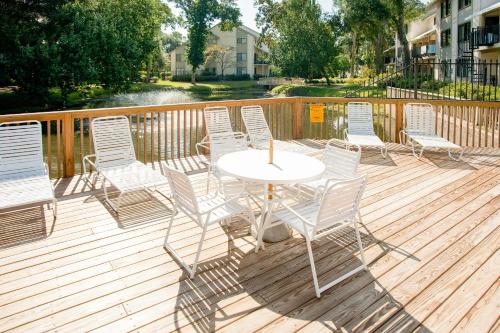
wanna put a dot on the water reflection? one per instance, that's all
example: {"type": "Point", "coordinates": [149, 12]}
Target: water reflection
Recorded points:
{"type": "Point", "coordinates": [158, 97]}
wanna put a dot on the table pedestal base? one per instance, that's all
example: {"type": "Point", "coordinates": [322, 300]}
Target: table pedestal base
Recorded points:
{"type": "Point", "coordinates": [277, 233]}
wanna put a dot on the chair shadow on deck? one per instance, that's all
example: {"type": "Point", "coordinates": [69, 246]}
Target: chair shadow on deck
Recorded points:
{"type": "Point", "coordinates": [136, 208]}
{"type": "Point", "coordinates": [25, 225]}
{"type": "Point", "coordinates": [279, 280]}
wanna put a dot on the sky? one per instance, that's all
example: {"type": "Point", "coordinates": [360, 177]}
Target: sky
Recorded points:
{"type": "Point", "coordinates": [248, 12]}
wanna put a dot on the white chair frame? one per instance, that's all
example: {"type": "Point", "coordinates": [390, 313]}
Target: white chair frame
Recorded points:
{"type": "Point", "coordinates": [24, 177]}
{"type": "Point", "coordinates": [115, 157]}
{"type": "Point", "coordinates": [360, 122]}
{"type": "Point", "coordinates": [420, 130]}
{"type": "Point", "coordinates": [220, 210]}
{"type": "Point", "coordinates": [339, 208]}
{"type": "Point", "coordinates": [341, 164]}
{"type": "Point", "coordinates": [259, 133]}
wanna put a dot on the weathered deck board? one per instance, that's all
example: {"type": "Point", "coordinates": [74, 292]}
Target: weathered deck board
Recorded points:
{"type": "Point", "coordinates": [430, 230]}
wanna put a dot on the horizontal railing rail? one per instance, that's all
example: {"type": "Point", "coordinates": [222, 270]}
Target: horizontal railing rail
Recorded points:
{"type": "Point", "coordinates": [167, 132]}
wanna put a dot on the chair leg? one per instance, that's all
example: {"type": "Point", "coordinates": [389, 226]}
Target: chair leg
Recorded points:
{"type": "Point", "coordinates": [209, 171]}
{"type": "Point", "coordinates": [200, 246]}
{"type": "Point", "coordinates": [165, 242]}
{"type": "Point", "coordinates": [456, 158]}
{"type": "Point", "coordinates": [313, 268]}
{"type": "Point", "coordinates": [54, 208]}
{"type": "Point", "coordinates": [360, 244]}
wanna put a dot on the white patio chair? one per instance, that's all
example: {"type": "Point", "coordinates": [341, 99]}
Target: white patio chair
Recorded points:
{"type": "Point", "coordinates": [24, 178]}
{"type": "Point", "coordinates": [360, 130]}
{"type": "Point", "coordinates": [338, 208]}
{"type": "Point", "coordinates": [220, 140]}
{"type": "Point", "coordinates": [115, 160]}
{"type": "Point", "coordinates": [259, 133]}
{"type": "Point", "coordinates": [204, 211]}
{"type": "Point", "coordinates": [341, 164]}
{"type": "Point", "coordinates": [420, 130]}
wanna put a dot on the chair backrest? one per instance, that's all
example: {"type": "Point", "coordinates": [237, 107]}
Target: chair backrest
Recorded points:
{"type": "Point", "coordinates": [217, 120]}
{"type": "Point", "coordinates": [182, 190]}
{"type": "Point", "coordinates": [420, 119]}
{"type": "Point", "coordinates": [21, 153]}
{"type": "Point", "coordinates": [360, 118]}
{"type": "Point", "coordinates": [256, 125]}
{"type": "Point", "coordinates": [113, 143]}
{"type": "Point", "coordinates": [340, 203]}
{"type": "Point", "coordinates": [224, 143]}
{"type": "Point", "coordinates": [340, 162]}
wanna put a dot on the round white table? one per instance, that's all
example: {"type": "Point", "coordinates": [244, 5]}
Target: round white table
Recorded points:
{"type": "Point", "coordinates": [251, 166]}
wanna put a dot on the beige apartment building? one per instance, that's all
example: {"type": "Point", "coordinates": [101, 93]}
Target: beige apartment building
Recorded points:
{"type": "Point", "coordinates": [454, 29]}
{"type": "Point", "coordinates": [246, 56]}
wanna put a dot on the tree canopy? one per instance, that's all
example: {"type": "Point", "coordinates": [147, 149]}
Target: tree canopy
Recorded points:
{"type": "Point", "coordinates": [300, 36]}
{"type": "Point", "coordinates": [66, 44]}
{"type": "Point", "coordinates": [199, 15]}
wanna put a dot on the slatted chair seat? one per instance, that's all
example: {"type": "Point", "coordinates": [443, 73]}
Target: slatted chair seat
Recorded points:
{"type": "Point", "coordinates": [24, 179]}
{"type": "Point", "coordinates": [420, 130]}
{"type": "Point", "coordinates": [259, 133]}
{"type": "Point", "coordinates": [115, 160]}
{"type": "Point", "coordinates": [341, 164]}
{"type": "Point", "coordinates": [337, 209]}
{"type": "Point", "coordinates": [360, 130]}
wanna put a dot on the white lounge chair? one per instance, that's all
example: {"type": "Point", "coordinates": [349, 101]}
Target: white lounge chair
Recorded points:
{"type": "Point", "coordinates": [338, 208]}
{"type": "Point", "coordinates": [259, 133]}
{"type": "Point", "coordinates": [220, 140]}
{"type": "Point", "coordinates": [204, 211]}
{"type": "Point", "coordinates": [360, 130]}
{"type": "Point", "coordinates": [115, 160]}
{"type": "Point", "coordinates": [24, 178]}
{"type": "Point", "coordinates": [420, 130]}
{"type": "Point", "coordinates": [341, 164]}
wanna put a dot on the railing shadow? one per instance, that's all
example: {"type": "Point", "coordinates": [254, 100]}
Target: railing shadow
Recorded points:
{"type": "Point", "coordinates": [230, 287]}
{"type": "Point", "coordinates": [25, 226]}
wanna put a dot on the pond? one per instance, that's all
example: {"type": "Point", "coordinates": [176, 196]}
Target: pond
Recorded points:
{"type": "Point", "coordinates": [173, 96]}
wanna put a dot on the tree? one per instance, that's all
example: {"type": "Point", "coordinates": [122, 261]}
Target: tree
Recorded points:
{"type": "Point", "coordinates": [170, 41]}
{"type": "Point", "coordinates": [199, 15]}
{"type": "Point", "coordinates": [301, 38]}
{"type": "Point", "coordinates": [68, 44]}
{"type": "Point", "coordinates": [221, 56]}
{"type": "Point", "coordinates": [402, 11]}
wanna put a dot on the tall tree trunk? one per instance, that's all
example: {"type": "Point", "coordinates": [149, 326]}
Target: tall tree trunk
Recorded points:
{"type": "Point", "coordinates": [379, 53]}
{"type": "Point", "coordinates": [399, 21]}
{"type": "Point", "coordinates": [353, 52]}
{"type": "Point", "coordinates": [193, 76]}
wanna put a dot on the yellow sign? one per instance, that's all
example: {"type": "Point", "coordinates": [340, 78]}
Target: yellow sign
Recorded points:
{"type": "Point", "coordinates": [316, 113]}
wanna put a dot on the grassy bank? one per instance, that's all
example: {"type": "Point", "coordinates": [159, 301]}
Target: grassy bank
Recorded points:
{"type": "Point", "coordinates": [335, 90]}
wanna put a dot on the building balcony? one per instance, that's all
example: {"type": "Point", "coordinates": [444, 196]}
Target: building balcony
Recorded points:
{"type": "Point", "coordinates": [424, 51]}
{"type": "Point", "coordinates": [485, 36]}
{"type": "Point", "coordinates": [260, 62]}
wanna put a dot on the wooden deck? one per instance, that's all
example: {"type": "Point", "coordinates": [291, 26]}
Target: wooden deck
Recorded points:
{"type": "Point", "coordinates": [431, 234]}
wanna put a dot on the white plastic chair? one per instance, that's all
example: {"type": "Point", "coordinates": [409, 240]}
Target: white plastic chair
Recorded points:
{"type": "Point", "coordinates": [115, 160]}
{"type": "Point", "coordinates": [338, 208]}
{"type": "Point", "coordinates": [360, 130]}
{"type": "Point", "coordinates": [259, 133]}
{"type": "Point", "coordinates": [341, 164]}
{"type": "Point", "coordinates": [204, 211]}
{"type": "Point", "coordinates": [220, 140]}
{"type": "Point", "coordinates": [420, 130]}
{"type": "Point", "coordinates": [24, 178]}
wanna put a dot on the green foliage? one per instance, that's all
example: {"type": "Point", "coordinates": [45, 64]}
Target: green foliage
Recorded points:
{"type": "Point", "coordinates": [171, 41]}
{"type": "Point", "coordinates": [79, 42]}
{"type": "Point", "coordinates": [302, 40]}
{"type": "Point", "coordinates": [199, 15]}
{"type": "Point", "coordinates": [467, 90]}
{"type": "Point", "coordinates": [210, 78]}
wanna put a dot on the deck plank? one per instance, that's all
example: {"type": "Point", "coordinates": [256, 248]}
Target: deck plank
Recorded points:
{"type": "Point", "coordinates": [425, 221]}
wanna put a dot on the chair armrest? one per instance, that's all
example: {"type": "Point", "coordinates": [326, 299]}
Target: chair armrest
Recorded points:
{"type": "Point", "coordinates": [87, 159]}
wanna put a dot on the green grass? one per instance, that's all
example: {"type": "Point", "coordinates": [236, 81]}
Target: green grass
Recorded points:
{"type": "Point", "coordinates": [201, 86]}
{"type": "Point", "coordinates": [336, 90]}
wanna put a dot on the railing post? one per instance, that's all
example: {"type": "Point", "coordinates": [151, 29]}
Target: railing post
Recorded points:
{"type": "Point", "coordinates": [68, 145]}
{"type": "Point", "coordinates": [399, 120]}
{"type": "Point", "coordinates": [297, 119]}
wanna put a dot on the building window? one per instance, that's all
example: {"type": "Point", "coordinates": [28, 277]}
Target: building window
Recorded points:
{"type": "Point", "coordinates": [464, 3]}
{"type": "Point", "coordinates": [180, 71]}
{"type": "Point", "coordinates": [241, 57]}
{"type": "Point", "coordinates": [445, 8]}
{"type": "Point", "coordinates": [241, 71]}
{"type": "Point", "coordinates": [445, 38]}
{"type": "Point", "coordinates": [242, 40]}
{"type": "Point", "coordinates": [464, 32]}
{"type": "Point", "coordinates": [178, 57]}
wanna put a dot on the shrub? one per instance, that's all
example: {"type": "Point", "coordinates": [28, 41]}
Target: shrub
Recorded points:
{"type": "Point", "coordinates": [243, 77]}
